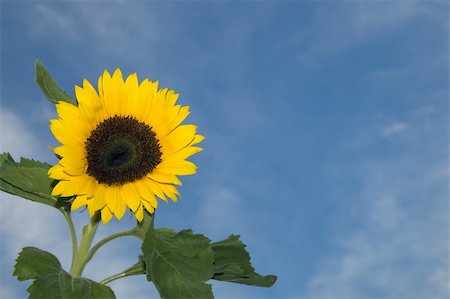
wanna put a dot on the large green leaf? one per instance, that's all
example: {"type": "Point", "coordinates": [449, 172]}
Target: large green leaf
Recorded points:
{"type": "Point", "coordinates": [51, 281]}
{"type": "Point", "coordinates": [28, 179]}
{"type": "Point", "coordinates": [178, 264]}
{"type": "Point", "coordinates": [33, 262]}
{"type": "Point", "coordinates": [49, 87]}
{"type": "Point", "coordinates": [232, 263]}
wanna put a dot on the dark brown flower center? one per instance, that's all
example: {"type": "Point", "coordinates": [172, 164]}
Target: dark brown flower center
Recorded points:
{"type": "Point", "coordinates": [122, 149]}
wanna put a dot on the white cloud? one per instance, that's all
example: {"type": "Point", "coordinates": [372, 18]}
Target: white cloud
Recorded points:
{"type": "Point", "coordinates": [393, 129]}
{"type": "Point", "coordinates": [16, 137]}
{"type": "Point", "coordinates": [118, 29]}
{"type": "Point", "coordinates": [24, 223]}
{"type": "Point", "coordinates": [399, 245]}
{"type": "Point", "coordinates": [354, 23]}
{"type": "Point", "coordinates": [52, 21]}
{"type": "Point", "coordinates": [220, 208]}
{"type": "Point", "coordinates": [136, 287]}
{"type": "Point", "coordinates": [395, 252]}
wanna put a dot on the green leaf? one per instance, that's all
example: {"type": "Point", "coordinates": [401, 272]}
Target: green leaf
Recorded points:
{"type": "Point", "coordinates": [24, 162]}
{"type": "Point", "coordinates": [232, 263]}
{"type": "Point", "coordinates": [178, 264]}
{"type": "Point", "coordinates": [49, 87]}
{"type": "Point", "coordinates": [33, 262]}
{"type": "Point", "coordinates": [51, 281]}
{"type": "Point", "coordinates": [165, 232]}
{"type": "Point", "coordinates": [6, 161]}
{"type": "Point", "coordinates": [28, 179]}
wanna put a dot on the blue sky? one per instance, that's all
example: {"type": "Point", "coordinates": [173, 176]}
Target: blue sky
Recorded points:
{"type": "Point", "coordinates": [326, 126]}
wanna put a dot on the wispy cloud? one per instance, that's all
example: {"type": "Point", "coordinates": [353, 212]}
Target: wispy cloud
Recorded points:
{"type": "Point", "coordinates": [122, 30]}
{"type": "Point", "coordinates": [220, 208]}
{"type": "Point", "coordinates": [16, 138]}
{"type": "Point", "coordinates": [399, 248]}
{"type": "Point", "coordinates": [393, 129]}
{"type": "Point", "coordinates": [355, 23]}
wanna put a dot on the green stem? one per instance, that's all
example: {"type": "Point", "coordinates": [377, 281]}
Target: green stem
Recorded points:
{"type": "Point", "coordinates": [133, 270]}
{"type": "Point", "coordinates": [85, 243]}
{"type": "Point", "coordinates": [113, 277]}
{"type": "Point", "coordinates": [73, 234]}
{"type": "Point", "coordinates": [97, 246]}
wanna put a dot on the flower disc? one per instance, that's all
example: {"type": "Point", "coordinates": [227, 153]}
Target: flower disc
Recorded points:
{"type": "Point", "coordinates": [121, 150]}
{"type": "Point", "coordinates": [122, 146]}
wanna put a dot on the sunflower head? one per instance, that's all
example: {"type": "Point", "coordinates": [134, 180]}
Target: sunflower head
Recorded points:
{"type": "Point", "coordinates": [122, 146]}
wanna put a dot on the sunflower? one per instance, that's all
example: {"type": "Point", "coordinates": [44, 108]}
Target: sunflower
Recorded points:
{"type": "Point", "coordinates": [122, 147]}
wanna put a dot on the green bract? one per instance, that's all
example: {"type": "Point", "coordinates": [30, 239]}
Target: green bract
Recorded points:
{"type": "Point", "coordinates": [49, 87]}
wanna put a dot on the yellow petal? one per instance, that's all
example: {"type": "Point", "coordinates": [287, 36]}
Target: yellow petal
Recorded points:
{"type": "Point", "coordinates": [106, 215]}
{"type": "Point", "coordinates": [139, 213]}
{"type": "Point", "coordinates": [66, 111]}
{"type": "Point", "coordinates": [98, 201]}
{"type": "Point", "coordinates": [80, 200]}
{"type": "Point", "coordinates": [197, 139]}
{"type": "Point", "coordinates": [171, 98]}
{"type": "Point", "coordinates": [130, 196]}
{"type": "Point", "coordinates": [141, 99]}
{"type": "Point", "coordinates": [89, 104]}
{"type": "Point", "coordinates": [111, 194]}
{"type": "Point", "coordinates": [182, 114]}
{"type": "Point", "coordinates": [73, 151]}
{"type": "Point", "coordinates": [100, 83]}
{"type": "Point", "coordinates": [132, 82]}
{"type": "Point", "coordinates": [63, 135]}
{"type": "Point", "coordinates": [134, 106]}
{"type": "Point", "coordinates": [155, 187]}
{"type": "Point", "coordinates": [121, 208]}
{"type": "Point", "coordinates": [120, 91]}
{"type": "Point", "coordinates": [148, 206]}
{"type": "Point", "coordinates": [74, 165]}
{"type": "Point", "coordinates": [164, 177]}
{"type": "Point", "coordinates": [90, 206]}
{"type": "Point", "coordinates": [142, 188]}
{"type": "Point", "coordinates": [177, 167]}
{"type": "Point", "coordinates": [157, 103]}
{"type": "Point", "coordinates": [86, 95]}
{"type": "Point", "coordinates": [73, 187]}
{"type": "Point", "coordinates": [162, 122]}
{"type": "Point", "coordinates": [87, 86]}
{"type": "Point", "coordinates": [111, 96]}
{"type": "Point", "coordinates": [178, 139]}
{"type": "Point", "coordinates": [57, 172]}
{"type": "Point", "coordinates": [59, 188]}
{"type": "Point", "coordinates": [183, 153]}
{"type": "Point", "coordinates": [170, 191]}
{"type": "Point", "coordinates": [151, 199]}
{"type": "Point", "coordinates": [91, 185]}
